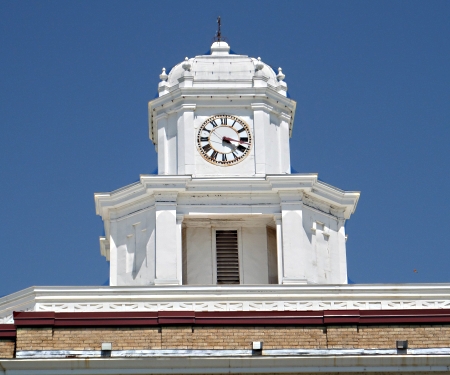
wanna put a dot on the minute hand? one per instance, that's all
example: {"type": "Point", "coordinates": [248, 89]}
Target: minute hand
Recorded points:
{"type": "Point", "coordinates": [228, 139]}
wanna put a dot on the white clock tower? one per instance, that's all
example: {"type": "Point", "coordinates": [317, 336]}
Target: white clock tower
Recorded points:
{"type": "Point", "coordinates": [224, 207]}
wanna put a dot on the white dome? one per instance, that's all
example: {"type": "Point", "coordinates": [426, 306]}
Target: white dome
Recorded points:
{"type": "Point", "coordinates": [221, 68]}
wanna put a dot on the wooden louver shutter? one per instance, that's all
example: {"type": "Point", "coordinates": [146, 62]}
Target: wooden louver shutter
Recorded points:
{"type": "Point", "coordinates": [227, 257]}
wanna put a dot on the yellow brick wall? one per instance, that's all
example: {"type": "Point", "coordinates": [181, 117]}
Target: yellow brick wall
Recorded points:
{"type": "Point", "coordinates": [209, 337]}
{"type": "Point", "coordinates": [384, 337]}
{"type": "Point", "coordinates": [6, 349]}
{"type": "Point", "coordinates": [242, 337]}
{"type": "Point", "coordinates": [123, 338]}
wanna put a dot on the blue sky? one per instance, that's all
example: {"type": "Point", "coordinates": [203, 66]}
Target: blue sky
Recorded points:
{"type": "Point", "coordinates": [372, 85]}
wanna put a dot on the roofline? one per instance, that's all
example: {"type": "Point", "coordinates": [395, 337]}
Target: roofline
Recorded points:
{"type": "Point", "coordinates": [231, 365]}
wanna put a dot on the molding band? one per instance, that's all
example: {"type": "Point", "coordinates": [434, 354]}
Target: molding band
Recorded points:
{"type": "Point", "coordinates": [221, 353]}
{"type": "Point", "coordinates": [246, 318]}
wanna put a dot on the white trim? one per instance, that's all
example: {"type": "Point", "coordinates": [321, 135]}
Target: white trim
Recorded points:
{"type": "Point", "coordinates": [227, 298]}
{"type": "Point", "coordinates": [22, 354]}
{"type": "Point", "coordinates": [228, 365]}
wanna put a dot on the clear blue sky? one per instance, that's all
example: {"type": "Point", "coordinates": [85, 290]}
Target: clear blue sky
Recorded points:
{"type": "Point", "coordinates": [372, 83]}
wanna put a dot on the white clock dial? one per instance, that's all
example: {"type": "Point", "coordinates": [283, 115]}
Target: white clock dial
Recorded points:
{"type": "Point", "coordinates": [224, 140]}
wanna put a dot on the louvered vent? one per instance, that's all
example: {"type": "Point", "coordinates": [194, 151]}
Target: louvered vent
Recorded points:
{"type": "Point", "coordinates": [227, 257]}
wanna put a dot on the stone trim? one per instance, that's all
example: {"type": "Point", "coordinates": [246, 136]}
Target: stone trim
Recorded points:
{"type": "Point", "coordinates": [221, 353]}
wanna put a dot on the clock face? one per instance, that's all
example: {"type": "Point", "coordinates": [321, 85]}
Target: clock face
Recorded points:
{"type": "Point", "coordinates": [224, 140]}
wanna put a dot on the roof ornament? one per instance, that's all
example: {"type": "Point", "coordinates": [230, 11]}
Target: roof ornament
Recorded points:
{"type": "Point", "coordinates": [163, 76]}
{"type": "Point", "coordinates": [186, 64]}
{"type": "Point", "coordinates": [163, 86]}
{"type": "Point", "coordinates": [218, 36]}
{"type": "Point", "coordinates": [259, 65]}
{"type": "Point", "coordinates": [280, 75]}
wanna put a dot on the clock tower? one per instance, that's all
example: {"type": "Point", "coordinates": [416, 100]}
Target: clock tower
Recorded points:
{"type": "Point", "coordinates": [235, 109]}
{"type": "Point", "coordinates": [224, 207]}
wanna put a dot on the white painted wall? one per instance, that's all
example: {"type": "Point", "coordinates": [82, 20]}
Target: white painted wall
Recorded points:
{"type": "Point", "coordinates": [177, 139]}
{"type": "Point", "coordinates": [200, 251]}
{"type": "Point", "coordinates": [132, 249]}
{"type": "Point", "coordinates": [254, 260]}
{"type": "Point", "coordinates": [199, 256]}
{"type": "Point", "coordinates": [145, 237]}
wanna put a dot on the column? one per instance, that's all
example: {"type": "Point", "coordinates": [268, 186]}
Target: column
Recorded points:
{"type": "Point", "coordinates": [167, 258]}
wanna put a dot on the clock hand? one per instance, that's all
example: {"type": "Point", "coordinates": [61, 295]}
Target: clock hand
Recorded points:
{"type": "Point", "coordinates": [228, 139]}
{"type": "Point", "coordinates": [218, 136]}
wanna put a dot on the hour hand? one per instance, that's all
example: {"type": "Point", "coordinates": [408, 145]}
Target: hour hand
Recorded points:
{"type": "Point", "coordinates": [229, 140]}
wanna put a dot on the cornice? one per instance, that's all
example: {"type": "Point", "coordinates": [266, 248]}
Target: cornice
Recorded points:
{"type": "Point", "coordinates": [221, 93]}
{"type": "Point", "coordinates": [209, 96]}
{"type": "Point", "coordinates": [333, 196]}
{"type": "Point", "coordinates": [306, 187]}
{"type": "Point", "coordinates": [227, 298]}
{"type": "Point", "coordinates": [304, 181]}
{"type": "Point", "coordinates": [147, 185]}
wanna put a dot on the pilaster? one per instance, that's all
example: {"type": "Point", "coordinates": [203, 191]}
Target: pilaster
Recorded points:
{"type": "Point", "coordinates": [186, 139]}
{"type": "Point", "coordinates": [279, 223]}
{"type": "Point", "coordinates": [283, 147]}
{"type": "Point", "coordinates": [261, 122]}
{"type": "Point", "coordinates": [163, 147]}
{"type": "Point", "coordinates": [295, 239]}
{"type": "Point", "coordinates": [179, 247]}
{"type": "Point", "coordinates": [167, 254]}
{"type": "Point", "coordinates": [342, 250]}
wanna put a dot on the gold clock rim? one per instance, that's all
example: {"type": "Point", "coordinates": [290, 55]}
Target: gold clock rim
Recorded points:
{"type": "Point", "coordinates": [220, 163]}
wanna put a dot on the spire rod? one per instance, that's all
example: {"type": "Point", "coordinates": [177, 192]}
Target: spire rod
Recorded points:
{"type": "Point", "coordinates": [218, 37]}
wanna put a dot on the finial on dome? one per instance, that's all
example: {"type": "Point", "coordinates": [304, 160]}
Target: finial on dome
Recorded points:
{"type": "Point", "coordinates": [280, 75]}
{"type": "Point", "coordinates": [218, 37]}
{"type": "Point", "coordinates": [186, 64]}
{"type": "Point", "coordinates": [259, 65]}
{"type": "Point", "coordinates": [163, 76]}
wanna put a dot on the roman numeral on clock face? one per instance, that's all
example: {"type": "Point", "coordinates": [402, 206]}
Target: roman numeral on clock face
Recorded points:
{"type": "Point", "coordinates": [224, 140]}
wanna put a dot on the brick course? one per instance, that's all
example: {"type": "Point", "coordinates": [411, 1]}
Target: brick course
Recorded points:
{"type": "Point", "coordinates": [7, 349]}
{"type": "Point", "coordinates": [233, 337]}
{"type": "Point", "coordinates": [242, 337]}
{"type": "Point", "coordinates": [384, 337]}
{"type": "Point", "coordinates": [122, 338]}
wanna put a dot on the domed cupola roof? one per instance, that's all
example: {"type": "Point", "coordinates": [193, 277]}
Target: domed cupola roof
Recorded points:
{"type": "Point", "coordinates": [222, 69]}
